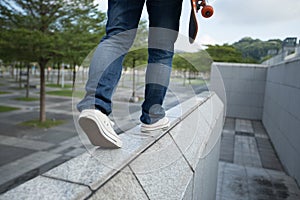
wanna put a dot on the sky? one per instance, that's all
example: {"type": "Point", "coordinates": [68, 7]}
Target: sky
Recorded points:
{"type": "Point", "coordinates": [235, 19]}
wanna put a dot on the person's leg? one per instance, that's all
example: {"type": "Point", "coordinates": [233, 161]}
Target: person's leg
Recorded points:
{"type": "Point", "coordinates": [164, 24]}
{"type": "Point", "coordinates": [106, 65]}
{"type": "Point", "coordinates": [105, 70]}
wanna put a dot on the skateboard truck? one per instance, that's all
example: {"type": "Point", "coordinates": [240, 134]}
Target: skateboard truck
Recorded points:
{"type": "Point", "coordinates": [206, 11]}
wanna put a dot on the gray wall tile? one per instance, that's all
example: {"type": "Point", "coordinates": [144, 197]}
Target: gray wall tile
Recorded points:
{"type": "Point", "coordinates": [162, 171]}
{"type": "Point", "coordinates": [245, 88]}
{"type": "Point", "coordinates": [122, 186]}
{"type": "Point", "coordinates": [281, 113]}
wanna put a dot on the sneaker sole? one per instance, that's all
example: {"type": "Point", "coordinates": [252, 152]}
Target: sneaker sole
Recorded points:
{"type": "Point", "coordinates": [161, 127]}
{"type": "Point", "coordinates": [97, 135]}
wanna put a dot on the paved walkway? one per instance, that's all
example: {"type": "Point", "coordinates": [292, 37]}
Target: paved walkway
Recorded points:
{"type": "Point", "coordinates": [26, 152]}
{"type": "Point", "coordinates": [249, 168]}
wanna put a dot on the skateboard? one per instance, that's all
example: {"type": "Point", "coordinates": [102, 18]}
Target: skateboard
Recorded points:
{"type": "Point", "coordinates": [206, 11]}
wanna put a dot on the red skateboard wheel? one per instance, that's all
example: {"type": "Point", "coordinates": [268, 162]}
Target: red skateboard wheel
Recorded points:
{"type": "Point", "coordinates": [207, 11]}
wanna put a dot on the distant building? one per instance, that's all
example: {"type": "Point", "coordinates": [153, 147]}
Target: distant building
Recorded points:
{"type": "Point", "coordinates": [289, 44]}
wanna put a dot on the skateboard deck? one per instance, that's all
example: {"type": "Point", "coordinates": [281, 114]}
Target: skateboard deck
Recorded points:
{"type": "Point", "coordinates": [206, 11]}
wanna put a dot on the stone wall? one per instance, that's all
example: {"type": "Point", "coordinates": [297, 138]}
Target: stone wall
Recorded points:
{"type": "Point", "coordinates": [244, 86]}
{"type": "Point", "coordinates": [180, 163]}
{"type": "Point", "coordinates": [281, 114]}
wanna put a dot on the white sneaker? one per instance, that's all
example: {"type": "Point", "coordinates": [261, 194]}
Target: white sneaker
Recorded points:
{"type": "Point", "coordinates": [98, 128]}
{"type": "Point", "coordinates": [160, 124]}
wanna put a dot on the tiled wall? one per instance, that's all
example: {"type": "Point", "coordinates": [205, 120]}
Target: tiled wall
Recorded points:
{"type": "Point", "coordinates": [281, 114]}
{"type": "Point", "coordinates": [244, 86]}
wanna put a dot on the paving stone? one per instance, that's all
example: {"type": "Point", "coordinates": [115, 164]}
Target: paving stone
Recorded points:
{"type": "Point", "coordinates": [234, 181]}
{"type": "Point", "coordinates": [246, 152]}
{"type": "Point", "coordinates": [25, 143]}
{"type": "Point", "coordinates": [244, 134]}
{"type": "Point", "coordinates": [96, 166]}
{"type": "Point", "coordinates": [243, 182]}
{"type": "Point", "coordinates": [54, 99]}
{"type": "Point", "coordinates": [21, 166]}
{"type": "Point", "coordinates": [9, 153]}
{"type": "Point", "coordinates": [193, 141]}
{"type": "Point", "coordinates": [227, 148]}
{"type": "Point", "coordinates": [72, 142]}
{"type": "Point", "coordinates": [40, 187]}
{"type": "Point", "coordinates": [228, 132]}
{"type": "Point", "coordinates": [10, 129]}
{"type": "Point", "coordinates": [242, 125]}
{"type": "Point", "coordinates": [75, 152]}
{"type": "Point", "coordinates": [159, 174]}
{"type": "Point", "coordinates": [122, 186]}
{"type": "Point", "coordinates": [267, 154]}
{"type": "Point", "coordinates": [229, 124]}
{"type": "Point", "coordinates": [54, 136]}
{"type": "Point", "coordinates": [22, 169]}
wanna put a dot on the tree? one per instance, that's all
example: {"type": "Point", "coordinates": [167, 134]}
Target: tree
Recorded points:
{"type": "Point", "coordinates": [38, 19]}
{"type": "Point", "coordinates": [81, 32]}
{"type": "Point", "coordinates": [192, 63]}
{"type": "Point", "coordinates": [255, 49]}
{"type": "Point", "coordinates": [38, 27]}
{"type": "Point", "coordinates": [225, 53]}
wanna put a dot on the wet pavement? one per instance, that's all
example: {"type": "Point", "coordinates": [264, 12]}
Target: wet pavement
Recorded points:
{"type": "Point", "coordinates": [249, 168]}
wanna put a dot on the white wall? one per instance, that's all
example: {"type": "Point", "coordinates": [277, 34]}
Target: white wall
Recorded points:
{"type": "Point", "coordinates": [281, 114]}
{"type": "Point", "coordinates": [244, 88]}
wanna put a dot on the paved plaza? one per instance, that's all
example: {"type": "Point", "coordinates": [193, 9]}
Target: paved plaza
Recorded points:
{"type": "Point", "coordinates": [26, 152]}
{"type": "Point", "coordinates": [249, 168]}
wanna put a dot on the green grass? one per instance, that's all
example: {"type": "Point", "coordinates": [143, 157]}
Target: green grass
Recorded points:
{"type": "Point", "coordinates": [79, 93]}
{"type": "Point", "coordinates": [7, 108]}
{"type": "Point", "coordinates": [2, 92]}
{"type": "Point", "coordinates": [52, 85]}
{"type": "Point", "coordinates": [65, 93]}
{"type": "Point", "coordinates": [47, 124]}
{"type": "Point", "coordinates": [26, 99]}
{"type": "Point", "coordinates": [197, 82]}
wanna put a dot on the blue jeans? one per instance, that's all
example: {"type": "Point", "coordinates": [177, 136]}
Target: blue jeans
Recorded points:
{"type": "Point", "coordinates": [106, 65]}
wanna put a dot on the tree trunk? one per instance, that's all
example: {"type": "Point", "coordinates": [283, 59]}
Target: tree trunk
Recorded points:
{"type": "Point", "coordinates": [74, 75]}
{"type": "Point", "coordinates": [58, 73]}
{"type": "Point", "coordinates": [20, 75]}
{"type": "Point", "coordinates": [17, 73]}
{"type": "Point", "coordinates": [184, 77]}
{"type": "Point", "coordinates": [13, 70]}
{"type": "Point", "coordinates": [133, 78]}
{"type": "Point", "coordinates": [27, 81]}
{"type": "Point", "coordinates": [42, 64]}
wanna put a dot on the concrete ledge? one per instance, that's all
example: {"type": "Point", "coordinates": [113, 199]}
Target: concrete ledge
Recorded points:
{"type": "Point", "coordinates": [180, 163]}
